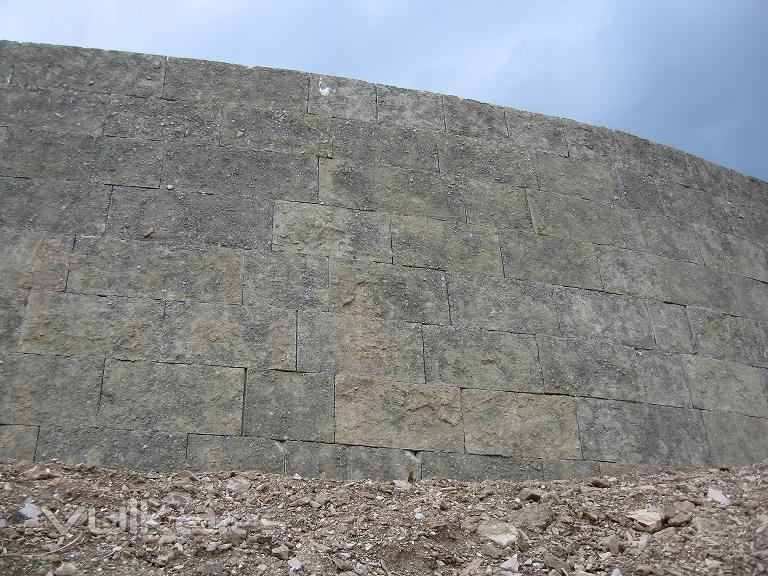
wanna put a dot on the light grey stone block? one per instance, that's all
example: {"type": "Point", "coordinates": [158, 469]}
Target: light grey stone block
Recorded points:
{"type": "Point", "coordinates": [312, 459]}
{"type": "Point", "coordinates": [663, 378]}
{"type": "Point", "coordinates": [462, 157]}
{"type": "Point", "coordinates": [696, 206]}
{"type": "Point", "coordinates": [749, 218]}
{"type": "Point", "coordinates": [666, 237]}
{"type": "Point", "coordinates": [235, 453]}
{"type": "Point", "coordinates": [732, 254]}
{"type": "Point", "coordinates": [285, 280]}
{"type": "Point", "coordinates": [17, 442]}
{"type": "Point", "coordinates": [472, 118]}
{"type": "Point", "coordinates": [8, 53]}
{"type": "Point", "coordinates": [479, 467]}
{"type": "Point", "coordinates": [56, 110]}
{"type": "Point", "coordinates": [729, 337]}
{"type": "Point", "coordinates": [535, 131]}
{"type": "Point", "coordinates": [586, 142]}
{"type": "Point", "coordinates": [34, 259]}
{"type": "Point", "coordinates": [13, 305]}
{"type": "Point", "coordinates": [639, 191]}
{"type": "Point", "coordinates": [501, 205]}
{"type": "Point", "coordinates": [736, 440]}
{"type": "Point", "coordinates": [412, 108]}
{"type": "Point", "coordinates": [671, 328]}
{"type": "Point", "coordinates": [342, 97]}
{"type": "Point", "coordinates": [751, 298]}
{"type": "Point", "coordinates": [588, 179]}
{"type": "Point", "coordinates": [569, 469]}
{"type": "Point", "coordinates": [654, 159]}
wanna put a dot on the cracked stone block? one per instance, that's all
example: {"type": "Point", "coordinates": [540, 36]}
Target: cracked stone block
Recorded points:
{"type": "Point", "coordinates": [588, 179]}
{"type": "Point", "coordinates": [729, 337]}
{"type": "Point", "coordinates": [17, 442]}
{"type": "Point", "coordinates": [472, 118]}
{"type": "Point", "coordinates": [646, 157]}
{"type": "Point", "coordinates": [235, 453]}
{"type": "Point", "coordinates": [462, 157]}
{"type": "Point", "coordinates": [501, 205]}
{"type": "Point", "coordinates": [751, 298]}
{"type": "Point", "coordinates": [732, 254]}
{"type": "Point", "coordinates": [56, 110]}
{"type": "Point", "coordinates": [38, 260]}
{"type": "Point", "coordinates": [671, 328]}
{"type": "Point", "coordinates": [587, 142]}
{"type": "Point", "coordinates": [693, 206]}
{"type": "Point", "coordinates": [12, 308]}
{"type": "Point", "coordinates": [342, 97]}
{"type": "Point", "coordinates": [285, 280]}
{"type": "Point", "coordinates": [735, 439]}
{"type": "Point", "coordinates": [535, 131]}
{"type": "Point", "coordinates": [350, 463]}
{"type": "Point", "coordinates": [667, 237]}
{"type": "Point", "coordinates": [411, 108]}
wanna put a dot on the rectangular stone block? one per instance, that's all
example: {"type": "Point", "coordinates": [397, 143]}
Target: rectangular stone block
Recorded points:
{"type": "Point", "coordinates": [736, 440]}
{"type": "Point", "coordinates": [639, 191]}
{"type": "Point", "coordinates": [646, 157]}
{"type": "Point", "coordinates": [285, 280]}
{"type": "Point", "coordinates": [110, 266]}
{"type": "Point", "coordinates": [536, 131]}
{"type": "Point", "coordinates": [229, 335]}
{"type": "Point", "coordinates": [671, 328]}
{"type": "Point", "coordinates": [54, 205]}
{"type": "Point", "coordinates": [348, 344]}
{"type": "Point", "coordinates": [398, 415]}
{"type": "Point", "coordinates": [667, 237]}
{"type": "Point", "coordinates": [696, 206]}
{"type": "Point", "coordinates": [448, 246]}
{"type": "Point", "coordinates": [587, 142]}
{"type": "Point", "coordinates": [289, 406]}
{"type": "Point", "coordinates": [239, 219]}
{"type": "Point", "coordinates": [502, 304]}
{"type": "Point", "coordinates": [342, 97]}
{"type": "Point", "coordinates": [633, 433]}
{"type": "Point", "coordinates": [275, 129]}
{"type": "Point", "coordinates": [55, 110]}
{"type": "Point", "coordinates": [133, 449]}
{"type": "Point", "coordinates": [479, 467]}
{"type": "Point", "coordinates": [589, 314]}
{"type": "Point", "coordinates": [732, 254]}
{"type": "Point", "coordinates": [512, 424]}
{"type": "Point", "coordinates": [350, 463]}
{"type": "Point", "coordinates": [729, 337]}
{"type": "Point", "coordinates": [548, 259]}
{"type": "Point", "coordinates": [177, 398]}
{"type": "Point", "coordinates": [8, 54]}
{"type": "Point", "coordinates": [470, 158]}
{"type": "Point", "coordinates": [411, 108]}
{"type": "Point", "coordinates": [501, 205]}
{"type": "Point", "coordinates": [34, 259]}
{"type": "Point", "coordinates": [472, 118]}
{"type": "Point", "coordinates": [74, 324]}
{"type": "Point", "coordinates": [481, 359]}
{"type": "Point", "coordinates": [663, 378]}
{"type": "Point", "coordinates": [235, 453]}
{"type": "Point", "coordinates": [569, 469]}
{"type": "Point", "coordinates": [49, 389]}
{"type": "Point", "coordinates": [366, 186]}
{"type": "Point", "coordinates": [13, 305]}
{"type": "Point", "coordinates": [388, 291]}
{"type": "Point", "coordinates": [749, 217]}
{"type": "Point", "coordinates": [751, 298]}
{"type": "Point", "coordinates": [17, 442]}
{"type": "Point", "coordinates": [593, 180]}
{"type": "Point", "coordinates": [725, 386]}
{"type": "Point", "coordinates": [324, 231]}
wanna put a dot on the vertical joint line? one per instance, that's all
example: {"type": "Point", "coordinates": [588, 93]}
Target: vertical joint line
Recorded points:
{"type": "Point", "coordinates": [448, 299]}
{"type": "Point", "coordinates": [423, 354]}
{"type": "Point", "coordinates": [376, 102]}
{"type": "Point", "coordinates": [186, 448]}
{"type": "Point", "coordinates": [296, 344]}
{"type": "Point", "coordinates": [101, 386]}
{"type": "Point", "coordinates": [242, 408]}
{"type": "Point", "coordinates": [445, 116]}
{"type": "Point", "coordinates": [165, 72]}
{"type": "Point", "coordinates": [110, 195]}
{"type": "Point", "coordinates": [506, 122]}
{"type": "Point", "coordinates": [309, 88]}
{"type": "Point", "coordinates": [334, 407]}
{"type": "Point", "coordinates": [37, 443]}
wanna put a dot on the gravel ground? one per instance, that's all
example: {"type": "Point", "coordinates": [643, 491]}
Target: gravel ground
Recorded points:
{"type": "Point", "coordinates": [79, 520]}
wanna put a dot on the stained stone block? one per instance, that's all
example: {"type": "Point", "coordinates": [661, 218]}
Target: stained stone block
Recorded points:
{"type": "Point", "coordinates": [289, 406]}
{"type": "Point", "coordinates": [535, 131]}
{"type": "Point", "coordinates": [472, 118]}
{"type": "Point", "coordinates": [187, 79]}
{"type": "Point", "coordinates": [376, 187]}
{"type": "Point", "coordinates": [172, 397]}
{"type": "Point", "coordinates": [654, 159]}
{"type": "Point", "coordinates": [736, 440]}
{"type": "Point", "coordinates": [398, 415]}
{"type": "Point", "coordinates": [751, 298]}
{"type": "Point", "coordinates": [109, 266]}
{"type": "Point", "coordinates": [455, 247]}
{"type": "Point", "coordinates": [285, 280]}
{"type": "Point", "coordinates": [133, 449]}
{"type": "Point", "coordinates": [412, 108]}
{"type": "Point", "coordinates": [478, 467]}
{"type": "Point", "coordinates": [587, 142]}
{"type": "Point", "coordinates": [239, 219]}
{"type": "Point", "coordinates": [511, 424]}
{"type": "Point", "coordinates": [342, 97]}
{"type": "Point", "coordinates": [388, 291]}
{"type": "Point", "coordinates": [729, 337]}
{"type": "Point", "coordinates": [470, 158]}
{"type": "Point", "coordinates": [632, 433]}
{"type": "Point", "coordinates": [55, 110]}
{"type": "Point", "coordinates": [275, 129]}
{"type": "Point", "coordinates": [639, 191]}
{"type": "Point", "coordinates": [348, 344]}
{"type": "Point", "coordinates": [663, 379]}
{"type": "Point", "coordinates": [671, 328]}
{"type": "Point", "coordinates": [17, 442]}
{"type": "Point", "coordinates": [235, 453]}
{"type": "Point", "coordinates": [710, 209]}
{"type": "Point", "coordinates": [12, 307]}
{"type": "Point", "coordinates": [732, 254]}
{"type": "Point", "coordinates": [588, 179]}
{"type": "Point", "coordinates": [725, 386]}
{"type": "Point", "coordinates": [502, 304]}
{"type": "Point", "coordinates": [229, 335]}
{"type": "Point", "coordinates": [340, 462]}
{"type": "Point", "coordinates": [500, 205]}
{"type": "Point", "coordinates": [481, 359]}
{"type": "Point", "coordinates": [74, 324]}
{"type": "Point", "coordinates": [666, 237]}
{"type": "Point", "coordinates": [325, 231]}
{"type": "Point", "coordinates": [54, 205]}
{"type": "Point", "coordinates": [34, 259]}
{"type": "Point", "coordinates": [49, 389]}
{"type": "Point", "coordinates": [548, 259]}
{"type": "Point", "coordinates": [589, 314]}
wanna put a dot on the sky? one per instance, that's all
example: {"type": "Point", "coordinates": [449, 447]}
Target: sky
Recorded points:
{"type": "Point", "coordinates": [687, 73]}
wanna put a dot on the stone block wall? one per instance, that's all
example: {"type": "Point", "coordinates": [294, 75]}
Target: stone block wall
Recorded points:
{"type": "Point", "coordinates": [212, 266]}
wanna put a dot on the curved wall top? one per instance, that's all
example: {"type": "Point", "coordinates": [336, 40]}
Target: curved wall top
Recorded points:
{"type": "Point", "coordinates": [208, 265]}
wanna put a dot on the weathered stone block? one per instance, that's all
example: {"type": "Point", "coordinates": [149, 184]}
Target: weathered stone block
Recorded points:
{"type": "Point", "coordinates": [8, 54]}
{"type": "Point", "coordinates": [639, 191]}
{"type": "Point", "coordinates": [588, 179]}
{"type": "Point", "coordinates": [654, 159]}
{"type": "Point", "coordinates": [110, 266]}
{"type": "Point", "coordinates": [729, 337]}
{"type": "Point", "coordinates": [470, 158]}
{"type": "Point", "coordinates": [511, 424]}
{"type": "Point", "coordinates": [34, 259]}
{"type": "Point", "coordinates": [666, 237]}
{"type": "Point", "coordinates": [671, 328]}
{"type": "Point", "coordinates": [289, 406]}
{"type": "Point", "coordinates": [285, 280]}
{"type": "Point", "coordinates": [696, 206]}
{"type": "Point", "coordinates": [13, 304]}
{"type": "Point", "coordinates": [229, 335]}
{"type": "Point", "coordinates": [348, 344]}
{"type": "Point", "coordinates": [412, 108]}
{"type": "Point", "coordinates": [388, 291]}
{"type": "Point", "coordinates": [350, 462]}
{"type": "Point", "coordinates": [535, 131]}
{"type": "Point", "coordinates": [500, 205]}
{"type": "Point", "coordinates": [472, 118]}
{"type": "Point", "coordinates": [663, 378]}
{"type": "Point", "coordinates": [569, 469]}
{"type": "Point", "coordinates": [732, 254]}
{"type": "Point", "coordinates": [172, 397]}
{"type": "Point", "coordinates": [751, 298]}
{"type": "Point", "coordinates": [235, 453]}
{"type": "Point", "coordinates": [478, 467]}
{"type": "Point", "coordinates": [56, 110]}
{"type": "Point", "coordinates": [451, 246]}
{"type": "Point", "coordinates": [749, 218]}
{"type": "Point", "coordinates": [586, 142]}
{"type": "Point", "coordinates": [74, 324]}
{"type": "Point", "coordinates": [17, 442]}
{"type": "Point", "coordinates": [325, 231]}
{"type": "Point", "coordinates": [481, 359]}
{"type": "Point", "coordinates": [398, 415]}
{"type": "Point", "coordinates": [342, 97]}
{"type": "Point", "coordinates": [736, 440]}
{"type": "Point", "coordinates": [725, 386]}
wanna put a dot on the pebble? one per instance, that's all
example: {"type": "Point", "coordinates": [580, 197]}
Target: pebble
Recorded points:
{"type": "Point", "coordinates": [281, 552]}
{"type": "Point", "coordinates": [503, 533]}
{"type": "Point", "coordinates": [295, 564]}
{"type": "Point", "coordinates": [66, 569]}
{"type": "Point", "coordinates": [38, 473]}
{"type": "Point", "coordinates": [529, 494]}
{"type": "Point", "coordinates": [511, 564]}
{"type": "Point", "coordinates": [717, 496]}
{"type": "Point", "coordinates": [169, 186]}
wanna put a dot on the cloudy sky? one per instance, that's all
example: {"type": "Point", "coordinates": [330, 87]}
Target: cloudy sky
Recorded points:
{"type": "Point", "coordinates": [688, 73]}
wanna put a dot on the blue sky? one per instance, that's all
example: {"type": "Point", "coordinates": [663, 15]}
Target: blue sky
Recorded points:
{"type": "Point", "coordinates": [691, 74]}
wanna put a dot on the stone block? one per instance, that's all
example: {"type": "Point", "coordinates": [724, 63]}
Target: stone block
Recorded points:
{"type": "Point", "coordinates": [470, 158]}
{"type": "Point", "coordinates": [289, 406]}
{"type": "Point", "coordinates": [650, 158]}
{"type": "Point", "coordinates": [569, 469]}
{"type": "Point", "coordinates": [502, 304]}
{"type": "Point", "coordinates": [671, 328]}
{"type": "Point", "coordinates": [501, 205]}
{"type": "Point", "coordinates": [133, 449]}
{"type": "Point", "coordinates": [593, 180]}
{"type": "Point", "coordinates": [450, 246]}
{"type": "Point", "coordinates": [17, 442]}
{"type": "Point", "coordinates": [342, 97]}
{"type": "Point", "coordinates": [586, 142]}
{"type": "Point", "coordinates": [633, 433]}
{"type": "Point", "coordinates": [110, 266]}
{"type": "Point", "coordinates": [732, 254]}
{"type": "Point", "coordinates": [639, 191]}
{"type": "Point", "coordinates": [8, 53]}
{"type": "Point", "coordinates": [736, 440]}
{"type": "Point", "coordinates": [666, 237]}
{"type": "Point", "coordinates": [481, 359]}
{"type": "Point", "coordinates": [235, 453]}
{"type": "Point", "coordinates": [472, 118]}
{"type": "Point", "coordinates": [56, 110]}
{"type": "Point", "coordinates": [749, 218]}
{"type": "Point", "coordinates": [34, 259]}
{"type": "Point", "coordinates": [693, 206]}
{"type": "Point", "coordinates": [348, 344]}
{"type": "Point", "coordinates": [178, 398]}
{"type": "Point", "coordinates": [285, 280]}
{"type": "Point", "coordinates": [479, 467]}
{"type": "Point", "coordinates": [536, 131]}
{"type": "Point", "coordinates": [521, 425]}
{"type": "Point", "coordinates": [549, 259]}
{"type": "Point", "coordinates": [74, 324]}
{"type": "Point", "coordinates": [724, 386]}
{"type": "Point", "coordinates": [388, 291]}
{"type": "Point", "coordinates": [729, 337]}
{"type": "Point", "coordinates": [13, 305]}
{"type": "Point", "coordinates": [411, 108]}
{"type": "Point", "coordinates": [274, 129]}
{"type": "Point", "coordinates": [398, 415]}
{"type": "Point", "coordinates": [663, 379]}
{"type": "Point", "coordinates": [751, 298]}
{"type": "Point", "coordinates": [350, 463]}
{"type": "Point", "coordinates": [229, 335]}
{"type": "Point", "coordinates": [325, 231]}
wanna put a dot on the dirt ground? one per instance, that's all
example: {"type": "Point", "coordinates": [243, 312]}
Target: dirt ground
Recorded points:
{"type": "Point", "coordinates": [79, 520]}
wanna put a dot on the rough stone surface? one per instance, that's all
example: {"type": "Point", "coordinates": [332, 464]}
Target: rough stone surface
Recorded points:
{"type": "Point", "coordinates": [206, 452]}
{"type": "Point", "coordinates": [349, 462]}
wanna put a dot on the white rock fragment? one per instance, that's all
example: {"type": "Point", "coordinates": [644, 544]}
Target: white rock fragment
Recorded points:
{"type": "Point", "coordinates": [503, 533]}
{"type": "Point", "coordinates": [717, 496]}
